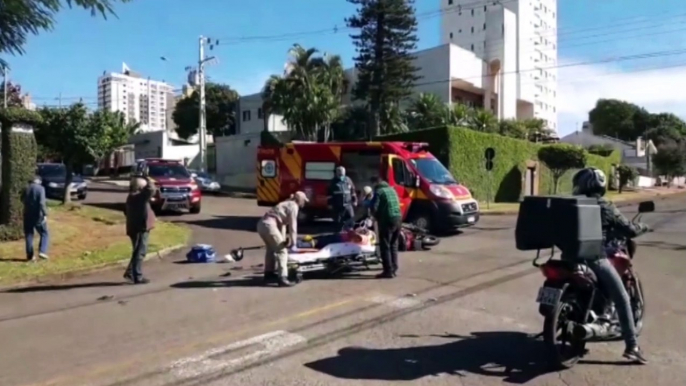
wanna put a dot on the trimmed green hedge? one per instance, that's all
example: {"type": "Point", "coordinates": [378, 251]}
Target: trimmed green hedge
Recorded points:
{"type": "Point", "coordinates": [462, 151]}
{"type": "Point", "coordinates": [18, 167]}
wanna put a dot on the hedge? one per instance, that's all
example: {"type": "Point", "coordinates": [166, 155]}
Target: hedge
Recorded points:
{"type": "Point", "coordinates": [462, 151]}
{"type": "Point", "coordinates": [19, 152]}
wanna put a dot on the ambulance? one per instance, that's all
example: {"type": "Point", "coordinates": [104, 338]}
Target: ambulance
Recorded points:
{"type": "Point", "coordinates": [430, 196]}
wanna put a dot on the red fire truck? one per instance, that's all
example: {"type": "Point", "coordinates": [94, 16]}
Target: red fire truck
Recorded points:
{"type": "Point", "coordinates": [430, 196]}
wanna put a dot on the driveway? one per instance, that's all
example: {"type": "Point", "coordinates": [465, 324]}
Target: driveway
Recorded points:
{"type": "Point", "coordinates": [459, 314]}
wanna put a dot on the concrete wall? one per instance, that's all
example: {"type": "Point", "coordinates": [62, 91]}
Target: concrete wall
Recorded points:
{"type": "Point", "coordinates": [237, 160]}
{"type": "Point", "coordinates": [157, 144]}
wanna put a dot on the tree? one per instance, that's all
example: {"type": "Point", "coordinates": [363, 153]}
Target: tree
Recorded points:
{"type": "Point", "coordinates": [670, 160]}
{"type": "Point", "coordinates": [427, 111]}
{"type": "Point", "coordinates": [351, 125]}
{"type": "Point", "coordinates": [560, 159]}
{"type": "Point", "coordinates": [386, 37]}
{"type": "Point", "coordinates": [220, 109]}
{"type": "Point", "coordinates": [21, 18]}
{"type": "Point", "coordinates": [617, 119]}
{"type": "Point", "coordinates": [483, 121]}
{"type": "Point", "coordinates": [460, 115]}
{"type": "Point", "coordinates": [626, 174]}
{"type": "Point", "coordinates": [309, 94]}
{"type": "Point", "coordinates": [79, 137]}
{"type": "Point", "coordinates": [13, 95]}
{"type": "Point", "coordinates": [513, 128]}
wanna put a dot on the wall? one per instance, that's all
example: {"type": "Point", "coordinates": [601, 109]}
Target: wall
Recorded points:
{"type": "Point", "coordinates": [236, 157]}
{"type": "Point", "coordinates": [462, 151]}
{"type": "Point", "coordinates": [156, 144]}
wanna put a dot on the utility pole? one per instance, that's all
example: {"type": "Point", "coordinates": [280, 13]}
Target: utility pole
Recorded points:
{"type": "Point", "coordinates": [202, 127]}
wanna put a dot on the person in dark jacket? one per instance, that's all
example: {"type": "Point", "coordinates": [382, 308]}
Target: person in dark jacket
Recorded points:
{"type": "Point", "coordinates": [592, 182]}
{"type": "Point", "coordinates": [35, 218]}
{"type": "Point", "coordinates": [388, 216]}
{"type": "Point", "coordinates": [140, 220]}
{"type": "Point", "coordinates": [342, 199]}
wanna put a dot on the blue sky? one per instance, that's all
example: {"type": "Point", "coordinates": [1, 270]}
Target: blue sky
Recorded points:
{"type": "Point", "coordinates": [69, 59]}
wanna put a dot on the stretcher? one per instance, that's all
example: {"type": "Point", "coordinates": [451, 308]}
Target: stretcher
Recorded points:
{"type": "Point", "coordinates": [331, 253]}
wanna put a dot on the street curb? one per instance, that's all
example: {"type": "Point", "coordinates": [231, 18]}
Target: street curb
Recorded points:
{"type": "Point", "coordinates": [86, 271]}
{"type": "Point", "coordinates": [620, 204]}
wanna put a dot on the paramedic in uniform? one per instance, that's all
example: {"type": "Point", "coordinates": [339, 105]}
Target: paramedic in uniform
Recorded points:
{"type": "Point", "coordinates": [271, 230]}
{"type": "Point", "coordinates": [342, 199]}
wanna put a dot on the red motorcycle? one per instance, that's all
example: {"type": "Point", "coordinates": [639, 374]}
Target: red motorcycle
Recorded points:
{"type": "Point", "coordinates": [575, 308]}
{"type": "Point", "coordinates": [414, 238]}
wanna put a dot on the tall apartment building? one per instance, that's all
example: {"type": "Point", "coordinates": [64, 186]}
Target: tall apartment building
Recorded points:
{"type": "Point", "coordinates": [470, 25]}
{"type": "Point", "coordinates": [141, 99]}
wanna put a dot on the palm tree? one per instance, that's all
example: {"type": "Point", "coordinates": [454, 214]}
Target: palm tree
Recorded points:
{"type": "Point", "coordinates": [309, 93]}
{"type": "Point", "coordinates": [460, 115]}
{"type": "Point", "coordinates": [484, 121]}
{"type": "Point", "coordinates": [427, 111]}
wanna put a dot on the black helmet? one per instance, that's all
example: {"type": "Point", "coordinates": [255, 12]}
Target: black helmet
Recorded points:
{"type": "Point", "coordinates": [589, 182]}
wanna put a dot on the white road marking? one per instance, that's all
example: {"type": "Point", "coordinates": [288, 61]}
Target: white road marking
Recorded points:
{"type": "Point", "coordinates": [205, 363]}
{"type": "Point", "coordinates": [395, 302]}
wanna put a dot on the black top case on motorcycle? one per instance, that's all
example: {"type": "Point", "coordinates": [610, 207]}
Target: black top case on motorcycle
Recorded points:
{"type": "Point", "coordinates": [570, 223]}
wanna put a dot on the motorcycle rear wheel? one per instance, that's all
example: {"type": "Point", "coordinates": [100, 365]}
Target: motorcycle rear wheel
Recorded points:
{"type": "Point", "coordinates": [556, 334]}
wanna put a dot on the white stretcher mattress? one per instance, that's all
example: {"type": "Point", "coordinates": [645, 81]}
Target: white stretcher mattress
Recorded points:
{"type": "Point", "coordinates": [331, 251]}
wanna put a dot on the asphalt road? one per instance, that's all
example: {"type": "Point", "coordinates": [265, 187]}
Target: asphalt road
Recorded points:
{"type": "Point", "coordinates": [460, 314]}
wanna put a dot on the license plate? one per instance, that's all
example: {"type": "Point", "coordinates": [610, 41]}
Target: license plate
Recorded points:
{"type": "Point", "coordinates": [548, 296]}
{"type": "Point", "coordinates": [175, 206]}
{"type": "Point", "coordinates": [471, 219]}
{"type": "Point", "coordinates": [175, 197]}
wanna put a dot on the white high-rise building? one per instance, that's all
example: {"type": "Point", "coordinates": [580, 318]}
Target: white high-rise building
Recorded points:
{"type": "Point", "coordinates": [140, 99]}
{"type": "Point", "coordinates": [470, 24]}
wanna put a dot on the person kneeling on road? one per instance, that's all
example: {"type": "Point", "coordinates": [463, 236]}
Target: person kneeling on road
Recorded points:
{"type": "Point", "coordinates": [271, 230]}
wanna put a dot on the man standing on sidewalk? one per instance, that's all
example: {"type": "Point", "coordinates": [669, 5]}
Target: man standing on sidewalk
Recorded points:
{"type": "Point", "coordinates": [386, 211]}
{"type": "Point", "coordinates": [35, 218]}
{"type": "Point", "coordinates": [140, 220]}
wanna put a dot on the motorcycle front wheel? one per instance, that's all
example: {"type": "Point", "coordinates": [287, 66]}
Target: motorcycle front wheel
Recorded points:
{"type": "Point", "coordinates": [430, 241]}
{"type": "Point", "coordinates": [638, 302]}
{"type": "Point", "coordinates": [565, 350]}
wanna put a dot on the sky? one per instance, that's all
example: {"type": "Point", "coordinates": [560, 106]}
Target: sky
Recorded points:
{"type": "Point", "coordinates": [65, 62]}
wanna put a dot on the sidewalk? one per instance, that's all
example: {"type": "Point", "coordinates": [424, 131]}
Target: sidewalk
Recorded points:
{"type": "Point", "coordinates": [625, 199]}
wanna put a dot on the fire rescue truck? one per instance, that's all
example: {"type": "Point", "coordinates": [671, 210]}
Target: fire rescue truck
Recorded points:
{"type": "Point", "coordinates": [430, 196]}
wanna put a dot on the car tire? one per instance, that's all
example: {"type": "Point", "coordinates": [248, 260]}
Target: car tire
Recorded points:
{"type": "Point", "coordinates": [195, 209]}
{"type": "Point", "coordinates": [82, 197]}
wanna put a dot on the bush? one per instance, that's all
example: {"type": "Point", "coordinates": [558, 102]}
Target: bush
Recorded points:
{"type": "Point", "coordinates": [626, 174]}
{"type": "Point", "coordinates": [560, 159]}
{"type": "Point", "coordinates": [601, 150]}
{"type": "Point", "coordinates": [18, 150]}
{"type": "Point", "coordinates": [462, 151]}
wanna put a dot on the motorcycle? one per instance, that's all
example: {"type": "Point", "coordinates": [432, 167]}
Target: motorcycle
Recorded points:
{"type": "Point", "coordinates": [414, 238]}
{"type": "Point", "coordinates": [576, 309]}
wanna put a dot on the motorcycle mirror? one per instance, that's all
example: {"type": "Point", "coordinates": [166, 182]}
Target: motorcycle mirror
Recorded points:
{"type": "Point", "coordinates": [646, 207]}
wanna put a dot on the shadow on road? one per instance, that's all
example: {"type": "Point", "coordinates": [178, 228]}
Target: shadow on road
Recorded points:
{"type": "Point", "coordinates": [663, 245]}
{"type": "Point", "coordinates": [513, 356]}
{"type": "Point", "coordinates": [116, 206]}
{"type": "Point", "coordinates": [64, 287]}
{"type": "Point", "coordinates": [236, 223]}
{"type": "Point", "coordinates": [249, 281]}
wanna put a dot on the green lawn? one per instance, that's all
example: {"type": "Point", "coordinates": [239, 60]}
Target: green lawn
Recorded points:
{"type": "Point", "coordinates": [81, 237]}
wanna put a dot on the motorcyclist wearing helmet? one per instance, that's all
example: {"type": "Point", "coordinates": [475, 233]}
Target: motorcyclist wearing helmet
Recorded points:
{"type": "Point", "coordinates": [592, 182]}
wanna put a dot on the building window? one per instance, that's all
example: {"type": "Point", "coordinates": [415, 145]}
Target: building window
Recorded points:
{"type": "Point", "coordinates": [450, 2]}
{"type": "Point", "coordinates": [260, 113]}
{"type": "Point", "coordinates": [451, 36]}
{"type": "Point", "coordinates": [472, 12]}
{"type": "Point", "coordinates": [485, 8]}
{"type": "Point", "coordinates": [459, 31]}
{"type": "Point", "coordinates": [472, 47]}
{"type": "Point", "coordinates": [484, 26]}
{"type": "Point", "coordinates": [246, 115]}
{"type": "Point", "coordinates": [472, 29]}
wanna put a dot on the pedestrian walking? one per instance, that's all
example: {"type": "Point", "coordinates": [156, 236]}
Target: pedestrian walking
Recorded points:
{"type": "Point", "coordinates": [271, 227]}
{"type": "Point", "coordinates": [140, 220]}
{"type": "Point", "coordinates": [386, 212]}
{"type": "Point", "coordinates": [35, 218]}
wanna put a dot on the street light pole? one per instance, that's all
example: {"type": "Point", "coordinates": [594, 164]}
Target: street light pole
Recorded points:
{"type": "Point", "coordinates": [201, 85]}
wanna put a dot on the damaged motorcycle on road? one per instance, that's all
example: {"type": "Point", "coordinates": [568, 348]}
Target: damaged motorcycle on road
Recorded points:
{"type": "Point", "coordinates": [572, 301]}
